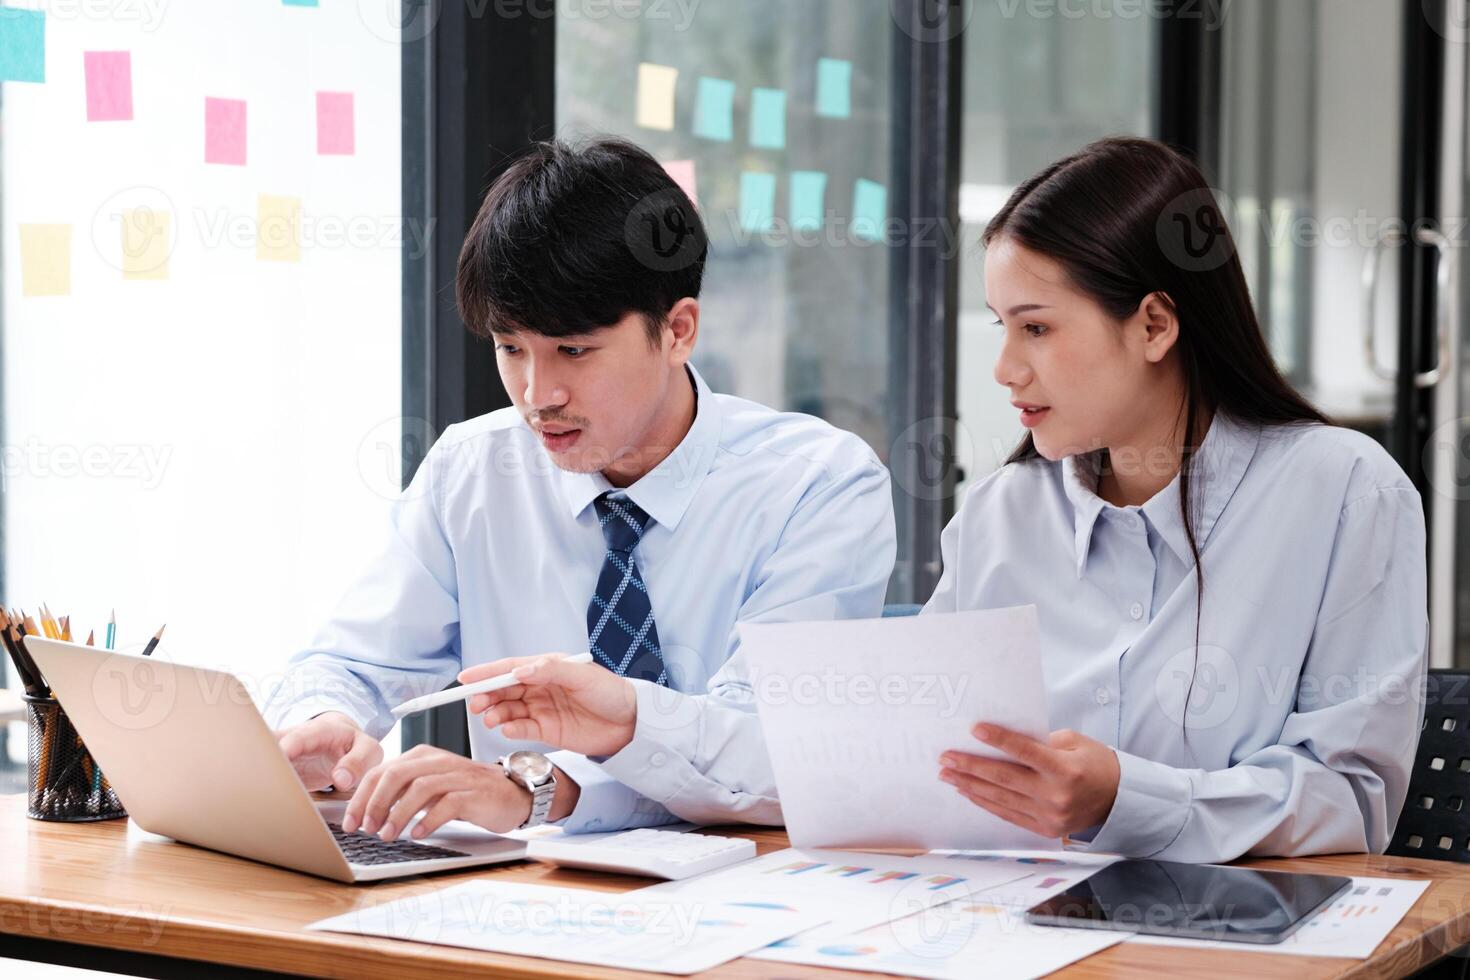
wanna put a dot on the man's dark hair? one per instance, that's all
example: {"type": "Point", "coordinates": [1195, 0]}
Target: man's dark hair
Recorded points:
{"type": "Point", "coordinates": [571, 238]}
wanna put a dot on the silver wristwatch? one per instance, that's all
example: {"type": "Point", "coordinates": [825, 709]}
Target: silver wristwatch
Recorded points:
{"type": "Point", "coordinates": [533, 771]}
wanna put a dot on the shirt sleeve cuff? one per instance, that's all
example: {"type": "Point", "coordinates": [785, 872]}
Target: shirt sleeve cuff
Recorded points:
{"type": "Point", "coordinates": [603, 803]}
{"type": "Point", "coordinates": [283, 716]}
{"type": "Point", "coordinates": [1149, 811]}
{"type": "Point", "coordinates": [658, 760]}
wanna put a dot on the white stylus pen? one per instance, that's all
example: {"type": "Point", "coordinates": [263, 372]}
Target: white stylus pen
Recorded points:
{"type": "Point", "coordinates": [466, 690]}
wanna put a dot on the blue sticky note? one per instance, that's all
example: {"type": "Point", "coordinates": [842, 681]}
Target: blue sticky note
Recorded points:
{"type": "Point", "coordinates": [768, 118]}
{"type": "Point", "coordinates": [808, 199]}
{"type": "Point", "coordinates": [834, 88]}
{"type": "Point", "coordinates": [22, 45]}
{"type": "Point", "coordinates": [714, 109]}
{"type": "Point", "coordinates": [869, 210]}
{"type": "Point", "coordinates": [757, 201]}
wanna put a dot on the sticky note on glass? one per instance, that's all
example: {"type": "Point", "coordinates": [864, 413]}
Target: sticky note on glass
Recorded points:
{"type": "Point", "coordinates": [869, 209]}
{"type": "Point", "coordinates": [145, 243]}
{"type": "Point", "coordinates": [714, 109]}
{"type": "Point", "coordinates": [278, 228]}
{"type": "Point", "coordinates": [757, 201]}
{"type": "Point", "coordinates": [22, 45]}
{"type": "Point", "coordinates": [834, 88]}
{"type": "Point", "coordinates": [109, 85]}
{"type": "Point", "coordinates": [334, 131]}
{"type": "Point", "coordinates": [808, 199]}
{"type": "Point", "coordinates": [683, 173]}
{"type": "Point", "coordinates": [656, 96]}
{"type": "Point", "coordinates": [224, 131]}
{"type": "Point", "coordinates": [45, 260]}
{"type": "Point", "coordinates": [299, 3]}
{"type": "Point", "coordinates": [768, 118]}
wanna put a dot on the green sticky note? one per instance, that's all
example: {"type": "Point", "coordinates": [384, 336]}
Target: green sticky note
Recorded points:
{"type": "Point", "coordinates": [869, 210]}
{"type": "Point", "coordinates": [757, 201]}
{"type": "Point", "coordinates": [768, 118]}
{"type": "Point", "coordinates": [834, 88]}
{"type": "Point", "coordinates": [22, 45]}
{"type": "Point", "coordinates": [714, 109]}
{"type": "Point", "coordinates": [808, 199]}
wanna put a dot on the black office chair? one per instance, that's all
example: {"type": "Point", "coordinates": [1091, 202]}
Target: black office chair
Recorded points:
{"type": "Point", "coordinates": [1435, 822]}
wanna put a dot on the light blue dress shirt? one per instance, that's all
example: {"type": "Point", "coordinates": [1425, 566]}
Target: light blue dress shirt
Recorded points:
{"type": "Point", "coordinates": [1307, 696]}
{"type": "Point", "coordinates": [492, 551]}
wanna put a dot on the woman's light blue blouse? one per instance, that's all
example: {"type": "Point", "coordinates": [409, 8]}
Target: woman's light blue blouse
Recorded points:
{"type": "Point", "coordinates": [1307, 685]}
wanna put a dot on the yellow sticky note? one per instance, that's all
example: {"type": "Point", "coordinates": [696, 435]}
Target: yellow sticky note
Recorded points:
{"type": "Point", "coordinates": [145, 244]}
{"type": "Point", "coordinates": [278, 228]}
{"type": "Point", "coordinates": [45, 260]}
{"type": "Point", "coordinates": [656, 96]}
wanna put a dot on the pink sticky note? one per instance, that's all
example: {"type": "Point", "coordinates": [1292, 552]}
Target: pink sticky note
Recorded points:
{"type": "Point", "coordinates": [109, 85]}
{"type": "Point", "coordinates": [683, 173]}
{"type": "Point", "coordinates": [334, 132]}
{"type": "Point", "coordinates": [224, 131]}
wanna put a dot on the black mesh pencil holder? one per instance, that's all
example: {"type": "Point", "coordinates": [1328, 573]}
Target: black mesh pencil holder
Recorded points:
{"type": "Point", "coordinates": [63, 781]}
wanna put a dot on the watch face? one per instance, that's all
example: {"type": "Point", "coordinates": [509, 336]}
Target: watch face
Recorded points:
{"type": "Point", "coordinates": [530, 766]}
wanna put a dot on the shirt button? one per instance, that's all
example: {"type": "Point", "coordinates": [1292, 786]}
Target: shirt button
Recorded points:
{"type": "Point", "coordinates": [1103, 697]}
{"type": "Point", "coordinates": [658, 758]}
{"type": "Point", "coordinates": [1133, 520]}
{"type": "Point", "coordinates": [1136, 611]}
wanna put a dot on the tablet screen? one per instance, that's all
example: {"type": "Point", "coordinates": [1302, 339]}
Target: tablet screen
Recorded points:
{"type": "Point", "coordinates": [1199, 901]}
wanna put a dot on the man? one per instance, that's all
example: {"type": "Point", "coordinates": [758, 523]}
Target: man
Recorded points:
{"type": "Point", "coordinates": [619, 507]}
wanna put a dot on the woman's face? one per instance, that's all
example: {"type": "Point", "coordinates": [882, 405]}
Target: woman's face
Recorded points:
{"type": "Point", "coordinates": [1095, 380]}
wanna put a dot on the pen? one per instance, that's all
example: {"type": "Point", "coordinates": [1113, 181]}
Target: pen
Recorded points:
{"type": "Point", "coordinates": [465, 691]}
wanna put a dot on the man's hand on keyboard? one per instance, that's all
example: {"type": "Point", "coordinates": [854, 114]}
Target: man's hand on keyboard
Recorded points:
{"type": "Point", "coordinates": [448, 787]}
{"type": "Point", "coordinates": [583, 707]}
{"type": "Point", "coordinates": [329, 750]}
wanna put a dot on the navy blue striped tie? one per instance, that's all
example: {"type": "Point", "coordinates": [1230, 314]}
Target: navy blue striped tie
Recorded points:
{"type": "Point", "coordinates": [620, 630]}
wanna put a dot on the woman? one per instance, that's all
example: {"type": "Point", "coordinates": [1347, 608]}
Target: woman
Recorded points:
{"type": "Point", "coordinates": [1191, 531]}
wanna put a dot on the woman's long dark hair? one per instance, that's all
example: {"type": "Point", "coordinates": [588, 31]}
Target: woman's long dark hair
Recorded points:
{"type": "Point", "coordinates": [1128, 217]}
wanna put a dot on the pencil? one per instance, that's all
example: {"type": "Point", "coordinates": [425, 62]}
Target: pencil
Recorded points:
{"type": "Point", "coordinates": [37, 686]}
{"type": "Point", "coordinates": [153, 643]}
{"type": "Point", "coordinates": [90, 635]}
{"type": "Point", "coordinates": [111, 629]}
{"type": "Point", "coordinates": [28, 679]}
{"type": "Point", "coordinates": [66, 628]}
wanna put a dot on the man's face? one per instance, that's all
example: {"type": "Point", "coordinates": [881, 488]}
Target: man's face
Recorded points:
{"type": "Point", "coordinates": [591, 399]}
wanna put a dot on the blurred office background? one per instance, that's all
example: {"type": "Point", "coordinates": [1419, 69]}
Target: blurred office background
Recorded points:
{"type": "Point", "coordinates": [227, 331]}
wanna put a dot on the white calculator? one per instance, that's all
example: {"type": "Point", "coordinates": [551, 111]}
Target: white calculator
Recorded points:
{"type": "Point", "coordinates": [652, 853]}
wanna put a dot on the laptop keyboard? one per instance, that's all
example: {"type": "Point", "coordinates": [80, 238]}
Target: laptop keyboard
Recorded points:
{"type": "Point", "coordinates": [360, 848]}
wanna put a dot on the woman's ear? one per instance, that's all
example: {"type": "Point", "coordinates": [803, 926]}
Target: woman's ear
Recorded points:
{"type": "Point", "coordinates": [1160, 324]}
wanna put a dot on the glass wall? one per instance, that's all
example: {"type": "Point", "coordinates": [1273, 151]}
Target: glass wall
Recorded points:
{"type": "Point", "coordinates": [1041, 82]}
{"type": "Point", "coordinates": [776, 115]}
{"type": "Point", "coordinates": [201, 329]}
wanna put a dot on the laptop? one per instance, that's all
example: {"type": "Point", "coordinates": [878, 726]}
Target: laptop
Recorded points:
{"type": "Point", "coordinates": [192, 759]}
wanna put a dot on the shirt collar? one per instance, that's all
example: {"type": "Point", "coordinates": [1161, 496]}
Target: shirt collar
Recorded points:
{"type": "Point", "coordinates": [664, 492]}
{"type": "Point", "coordinates": [1219, 466]}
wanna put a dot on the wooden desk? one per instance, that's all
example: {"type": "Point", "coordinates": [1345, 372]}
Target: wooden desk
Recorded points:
{"type": "Point", "coordinates": [92, 884]}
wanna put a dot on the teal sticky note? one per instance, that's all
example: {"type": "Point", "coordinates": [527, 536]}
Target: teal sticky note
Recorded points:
{"type": "Point", "coordinates": [834, 88]}
{"type": "Point", "coordinates": [808, 199]}
{"type": "Point", "coordinates": [768, 118]}
{"type": "Point", "coordinates": [22, 45]}
{"type": "Point", "coordinates": [714, 109]}
{"type": "Point", "coordinates": [869, 209]}
{"type": "Point", "coordinates": [299, 3]}
{"type": "Point", "coordinates": [757, 201]}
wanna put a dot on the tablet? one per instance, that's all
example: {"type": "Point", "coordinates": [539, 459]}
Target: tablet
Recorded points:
{"type": "Point", "coordinates": [1193, 901]}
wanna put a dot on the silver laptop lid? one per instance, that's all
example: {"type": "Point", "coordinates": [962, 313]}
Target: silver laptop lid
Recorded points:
{"type": "Point", "coordinates": [189, 755]}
